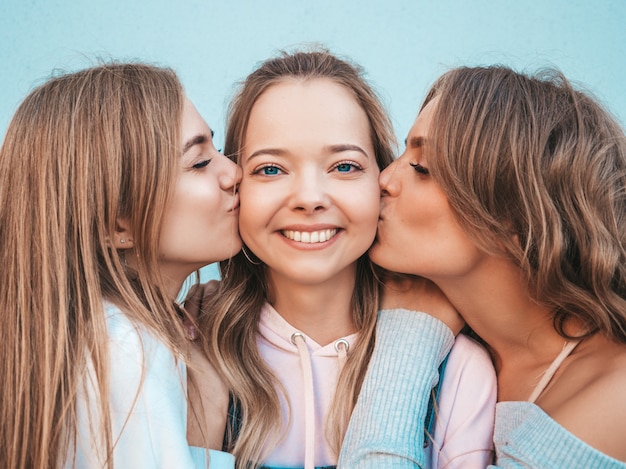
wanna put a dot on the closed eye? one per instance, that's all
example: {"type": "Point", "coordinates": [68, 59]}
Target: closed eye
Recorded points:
{"type": "Point", "coordinates": [201, 164]}
{"type": "Point", "coordinates": [420, 169]}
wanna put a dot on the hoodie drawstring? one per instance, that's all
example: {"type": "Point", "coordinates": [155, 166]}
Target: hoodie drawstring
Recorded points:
{"type": "Point", "coordinates": [298, 339]}
{"type": "Point", "coordinates": [341, 347]}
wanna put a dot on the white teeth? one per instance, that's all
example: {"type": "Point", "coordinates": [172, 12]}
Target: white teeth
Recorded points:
{"type": "Point", "coordinates": [310, 237]}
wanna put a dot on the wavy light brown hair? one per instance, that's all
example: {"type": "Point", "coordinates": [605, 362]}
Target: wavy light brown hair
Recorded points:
{"type": "Point", "coordinates": [538, 168]}
{"type": "Point", "coordinates": [231, 321]}
{"type": "Point", "coordinates": [82, 151]}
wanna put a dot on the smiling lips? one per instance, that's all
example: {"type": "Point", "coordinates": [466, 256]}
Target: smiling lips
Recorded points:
{"type": "Point", "coordinates": [310, 237]}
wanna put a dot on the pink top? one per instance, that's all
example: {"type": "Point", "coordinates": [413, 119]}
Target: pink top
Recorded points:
{"type": "Point", "coordinates": [465, 419]}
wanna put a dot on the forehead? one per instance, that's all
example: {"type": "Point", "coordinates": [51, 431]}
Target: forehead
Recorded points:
{"type": "Point", "coordinates": [421, 126]}
{"type": "Point", "coordinates": [311, 109]}
{"type": "Point", "coordinates": [192, 121]}
{"type": "Point", "coordinates": [312, 92]}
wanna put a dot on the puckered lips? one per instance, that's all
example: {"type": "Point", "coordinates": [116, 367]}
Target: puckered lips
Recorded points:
{"type": "Point", "coordinates": [235, 204]}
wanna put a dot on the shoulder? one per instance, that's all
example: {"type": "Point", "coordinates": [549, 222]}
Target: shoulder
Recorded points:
{"type": "Point", "coordinates": [588, 398]}
{"type": "Point", "coordinates": [146, 400]}
{"type": "Point", "coordinates": [120, 326]}
{"type": "Point", "coordinates": [147, 382]}
{"type": "Point", "coordinates": [128, 333]}
{"type": "Point", "coordinates": [469, 378]}
{"type": "Point", "coordinates": [135, 351]}
{"type": "Point", "coordinates": [466, 412]}
{"type": "Point", "coordinates": [469, 356]}
{"type": "Point", "coordinates": [526, 435]}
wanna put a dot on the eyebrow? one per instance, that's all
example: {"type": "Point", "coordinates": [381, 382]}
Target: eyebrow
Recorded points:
{"type": "Point", "coordinates": [196, 140]}
{"type": "Point", "coordinates": [339, 148]}
{"type": "Point", "coordinates": [267, 151]}
{"type": "Point", "coordinates": [415, 142]}
{"type": "Point", "coordinates": [344, 147]}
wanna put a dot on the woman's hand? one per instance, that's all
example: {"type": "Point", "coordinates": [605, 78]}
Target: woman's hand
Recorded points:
{"type": "Point", "coordinates": [419, 294]}
{"type": "Point", "coordinates": [196, 298]}
{"type": "Point", "coordinates": [207, 402]}
{"type": "Point", "coordinates": [207, 395]}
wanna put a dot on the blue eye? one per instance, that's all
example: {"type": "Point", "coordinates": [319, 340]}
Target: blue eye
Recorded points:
{"type": "Point", "coordinates": [270, 170]}
{"type": "Point", "coordinates": [347, 167]}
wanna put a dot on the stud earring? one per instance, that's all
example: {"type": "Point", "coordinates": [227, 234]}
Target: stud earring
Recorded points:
{"type": "Point", "coordinates": [122, 241]}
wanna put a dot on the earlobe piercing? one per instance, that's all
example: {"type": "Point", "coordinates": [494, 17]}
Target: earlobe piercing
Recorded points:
{"type": "Point", "coordinates": [122, 241]}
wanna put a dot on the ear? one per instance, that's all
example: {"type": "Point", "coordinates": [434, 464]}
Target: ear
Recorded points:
{"type": "Point", "coordinates": [122, 238]}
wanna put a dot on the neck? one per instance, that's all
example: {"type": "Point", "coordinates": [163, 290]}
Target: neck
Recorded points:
{"type": "Point", "coordinates": [174, 283]}
{"type": "Point", "coordinates": [173, 276]}
{"type": "Point", "coordinates": [321, 310]}
{"type": "Point", "coordinates": [496, 304]}
{"type": "Point", "coordinates": [520, 334]}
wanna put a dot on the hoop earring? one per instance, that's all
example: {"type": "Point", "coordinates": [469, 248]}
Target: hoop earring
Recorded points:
{"type": "Point", "coordinates": [245, 253]}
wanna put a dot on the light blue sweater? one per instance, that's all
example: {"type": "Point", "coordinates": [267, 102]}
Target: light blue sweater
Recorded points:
{"type": "Point", "coordinates": [148, 404]}
{"type": "Point", "coordinates": [387, 427]}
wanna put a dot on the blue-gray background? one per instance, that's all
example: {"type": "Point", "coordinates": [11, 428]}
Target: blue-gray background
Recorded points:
{"type": "Point", "coordinates": [403, 44]}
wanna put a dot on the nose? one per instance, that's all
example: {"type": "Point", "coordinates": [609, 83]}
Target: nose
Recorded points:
{"type": "Point", "coordinates": [229, 175]}
{"type": "Point", "coordinates": [309, 193]}
{"type": "Point", "coordinates": [389, 180]}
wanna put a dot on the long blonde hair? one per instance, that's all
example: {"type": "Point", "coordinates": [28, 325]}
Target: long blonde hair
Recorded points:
{"type": "Point", "coordinates": [538, 168]}
{"type": "Point", "coordinates": [82, 151]}
{"type": "Point", "coordinates": [231, 320]}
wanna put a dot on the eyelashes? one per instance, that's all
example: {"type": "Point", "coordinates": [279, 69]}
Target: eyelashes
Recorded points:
{"type": "Point", "coordinates": [267, 170]}
{"type": "Point", "coordinates": [201, 164]}
{"type": "Point", "coordinates": [272, 169]}
{"type": "Point", "coordinates": [347, 167]}
{"type": "Point", "coordinates": [423, 170]}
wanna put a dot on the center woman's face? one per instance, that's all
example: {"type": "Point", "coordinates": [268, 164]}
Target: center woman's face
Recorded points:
{"type": "Point", "coordinates": [418, 233]}
{"type": "Point", "coordinates": [309, 193]}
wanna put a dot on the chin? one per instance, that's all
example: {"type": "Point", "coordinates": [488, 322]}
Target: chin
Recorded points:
{"type": "Point", "coordinates": [376, 255]}
{"type": "Point", "coordinates": [387, 262]}
{"type": "Point", "coordinates": [230, 248]}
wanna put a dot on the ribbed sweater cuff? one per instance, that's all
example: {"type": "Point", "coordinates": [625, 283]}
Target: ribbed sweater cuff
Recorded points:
{"type": "Point", "coordinates": [391, 409]}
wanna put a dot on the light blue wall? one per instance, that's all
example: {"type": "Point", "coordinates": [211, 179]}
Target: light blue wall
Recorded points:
{"type": "Point", "coordinates": [403, 44]}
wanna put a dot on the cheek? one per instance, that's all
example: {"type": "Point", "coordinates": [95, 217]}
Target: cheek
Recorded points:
{"type": "Point", "coordinates": [425, 209]}
{"type": "Point", "coordinates": [204, 199]}
{"type": "Point", "coordinates": [255, 206]}
{"type": "Point", "coordinates": [365, 201]}
{"type": "Point", "coordinates": [198, 202]}
{"type": "Point", "coordinates": [247, 224]}
{"type": "Point", "coordinates": [369, 208]}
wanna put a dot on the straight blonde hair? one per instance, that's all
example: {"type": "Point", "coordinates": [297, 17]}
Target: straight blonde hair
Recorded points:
{"type": "Point", "coordinates": [231, 320]}
{"type": "Point", "coordinates": [82, 151]}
